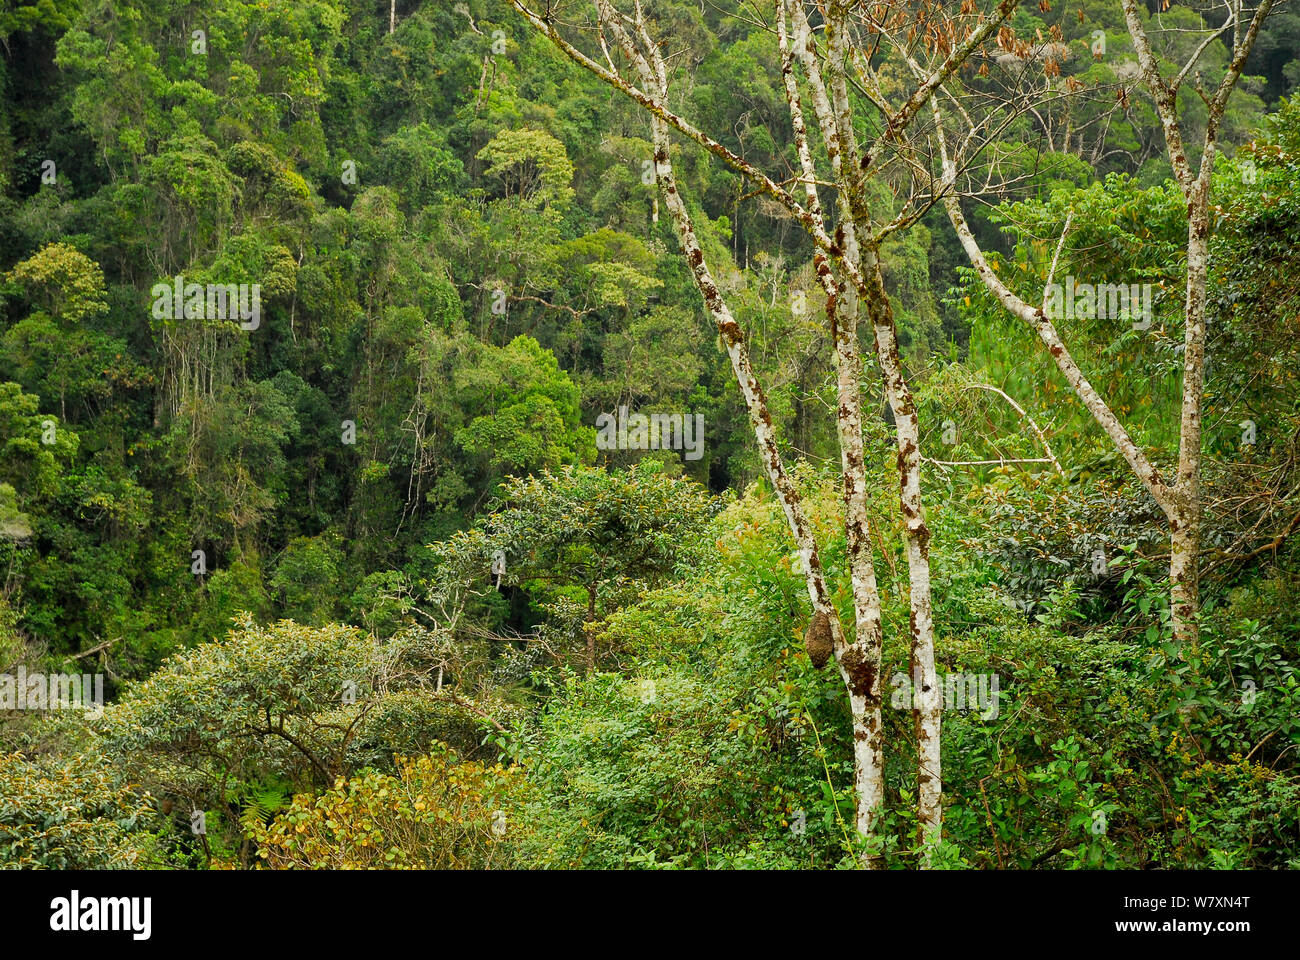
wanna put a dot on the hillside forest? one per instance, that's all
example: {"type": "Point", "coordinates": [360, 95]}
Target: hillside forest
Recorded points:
{"type": "Point", "coordinates": [675, 434]}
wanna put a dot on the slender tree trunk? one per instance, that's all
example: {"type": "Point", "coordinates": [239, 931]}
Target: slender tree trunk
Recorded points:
{"type": "Point", "coordinates": [926, 701]}
{"type": "Point", "coordinates": [755, 401]}
{"type": "Point", "coordinates": [856, 224]}
{"type": "Point", "coordinates": [1185, 510]}
{"type": "Point", "coordinates": [1185, 518]}
{"type": "Point", "coordinates": [859, 663]}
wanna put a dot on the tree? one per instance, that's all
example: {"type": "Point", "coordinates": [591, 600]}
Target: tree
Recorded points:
{"type": "Point", "coordinates": [71, 813]}
{"type": "Point", "coordinates": [530, 419]}
{"type": "Point", "coordinates": [307, 578]}
{"type": "Point", "coordinates": [849, 269]}
{"type": "Point", "coordinates": [531, 166]}
{"type": "Point", "coordinates": [56, 350]}
{"type": "Point", "coordinates": [1180, 498]}
{"type": "Point", "coordinates": [591, 529]}
{"type": "Point", "coordinates": [439, 813]}
{"type": "Point", "coordinates": [285, 698]}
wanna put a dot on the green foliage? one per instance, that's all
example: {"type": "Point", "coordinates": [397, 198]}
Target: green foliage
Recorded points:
{"type": "Point", "coordinates": [71, 813]}
{"type": "Point", "coordinates": [439, 813]}
{"type": "Point", "coordinates": [531, 167]}
{"type": "Point", "coordinates": [306, 577]}
{"type": "Point", "coordinates": [418, 564]}
{"type": "Point", "coordinates": [265, 698]}
{"type": "Point", "coordinates": [533, 423]}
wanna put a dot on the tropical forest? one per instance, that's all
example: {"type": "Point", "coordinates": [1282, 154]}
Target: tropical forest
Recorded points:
{"type": "Point", "coordinates": [649, 434]}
